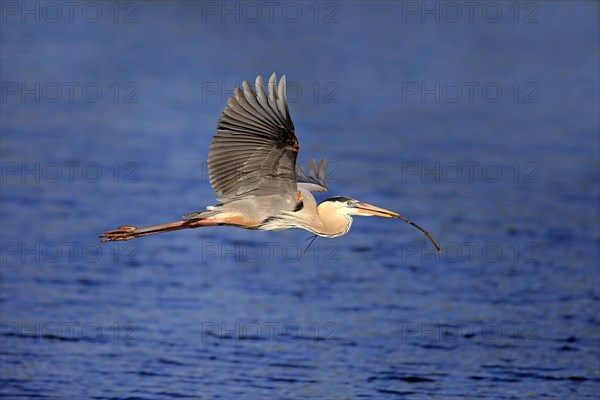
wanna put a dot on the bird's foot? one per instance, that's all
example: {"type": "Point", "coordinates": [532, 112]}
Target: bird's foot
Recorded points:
{"type": "Point", "coordinates": [124, 232]}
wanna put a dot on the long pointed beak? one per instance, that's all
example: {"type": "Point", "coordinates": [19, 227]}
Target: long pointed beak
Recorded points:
{"type": "Point", "coordinates": [368, 210]}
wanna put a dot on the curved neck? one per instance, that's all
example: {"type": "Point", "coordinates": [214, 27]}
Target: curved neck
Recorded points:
{"type": "Point", "coordinates": [323, 220]}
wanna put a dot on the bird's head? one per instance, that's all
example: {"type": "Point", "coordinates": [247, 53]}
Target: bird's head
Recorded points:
{"type": "Point", "coordinates": [349, 207]}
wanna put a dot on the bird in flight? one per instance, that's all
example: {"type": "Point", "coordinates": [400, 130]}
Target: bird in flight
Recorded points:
{"type": "Point", "coordinates": [252, 168]}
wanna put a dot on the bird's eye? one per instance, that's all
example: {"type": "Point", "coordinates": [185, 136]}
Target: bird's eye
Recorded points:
{"type": "Point", "coordinates": [349, 202]}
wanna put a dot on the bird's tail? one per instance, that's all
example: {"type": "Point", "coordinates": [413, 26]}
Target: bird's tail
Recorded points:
{"type": "Point", "coordinates": [127, 232]}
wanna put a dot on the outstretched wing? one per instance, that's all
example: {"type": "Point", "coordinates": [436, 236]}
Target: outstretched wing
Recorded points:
{"type": "Point", "coordinates": [255, 149]}
{"type": "Point", "coordinates": [315, 180]}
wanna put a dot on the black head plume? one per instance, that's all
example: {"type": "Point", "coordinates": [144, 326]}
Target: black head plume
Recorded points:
{"type": "Point", "coordinates": [340, 199]}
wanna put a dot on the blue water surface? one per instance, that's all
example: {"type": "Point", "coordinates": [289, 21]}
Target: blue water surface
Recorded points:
{"type": "Point", "coordinates": [481, 124]}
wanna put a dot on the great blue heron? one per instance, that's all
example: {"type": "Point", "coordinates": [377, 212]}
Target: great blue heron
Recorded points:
{"type": "Point", "coordinates": [252, 168]}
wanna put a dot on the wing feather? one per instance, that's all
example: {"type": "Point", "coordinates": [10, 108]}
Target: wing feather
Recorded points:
{"type": "Point", "coordinates": [254, 151]}
{"type": "Point", "coordinates": [316, 178]}
{"type": "Point", "coordinates": [263, 100]}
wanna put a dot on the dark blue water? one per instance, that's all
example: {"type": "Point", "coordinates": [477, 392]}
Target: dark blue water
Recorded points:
{"type": "Point", "coordinates": [481, 125]}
